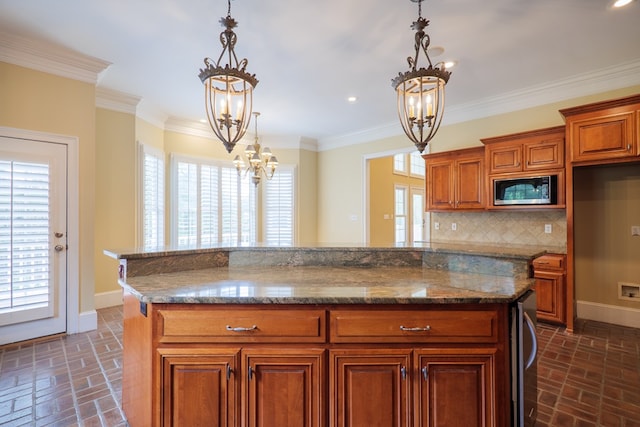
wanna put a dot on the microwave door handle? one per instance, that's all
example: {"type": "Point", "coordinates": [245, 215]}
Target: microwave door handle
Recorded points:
{"type": "Point", "coordinates": [534, 339]}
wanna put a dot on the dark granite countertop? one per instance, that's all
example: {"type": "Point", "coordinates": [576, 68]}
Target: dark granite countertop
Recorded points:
{"type": "Point", "coordinates": [325, 285]}
{"type": "Point", "coordinates": [433, 273]}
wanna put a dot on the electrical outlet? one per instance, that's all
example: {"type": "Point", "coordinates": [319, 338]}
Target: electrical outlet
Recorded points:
{"type": "Point", "coordinates": [436, 225]}
{"type": "Point", "coordinates": [547, 228]}
{"type": "Point", "coordinates": [454, 226]}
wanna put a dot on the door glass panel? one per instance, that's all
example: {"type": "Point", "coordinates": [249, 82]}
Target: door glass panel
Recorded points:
{"type": "Point", "coordinates": [25, 285]}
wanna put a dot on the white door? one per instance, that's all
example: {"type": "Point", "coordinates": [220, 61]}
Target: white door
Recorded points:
{"type": "Point", "coordinates": [33, 239]}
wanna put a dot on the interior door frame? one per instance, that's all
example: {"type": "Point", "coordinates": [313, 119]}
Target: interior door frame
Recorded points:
{"type": "Point", "coordinates": [366, 186]}
{"type": "Point", "coordinates": [73, 216]}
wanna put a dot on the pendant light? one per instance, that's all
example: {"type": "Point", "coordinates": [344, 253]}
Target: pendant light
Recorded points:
{"type": "Point", "coordinates": [420, 91]}
{"type": "Point", "coordinates": [228, 88]}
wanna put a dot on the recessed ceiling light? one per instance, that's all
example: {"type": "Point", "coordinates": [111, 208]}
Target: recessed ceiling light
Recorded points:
{"type": "Point", "coordinates": [203, 120]}
{"type": "Point", "coordinates": [352, 99]}
{"type": "Point", "coordinates": [621, 3]}
{"type": "Point", "coordinates": [450, 64]}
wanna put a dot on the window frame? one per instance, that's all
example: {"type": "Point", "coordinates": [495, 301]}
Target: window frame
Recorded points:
{"type": "Point", "coordinates": [143, 151]}
{"type": "Point", "coordinates": [240, 186]}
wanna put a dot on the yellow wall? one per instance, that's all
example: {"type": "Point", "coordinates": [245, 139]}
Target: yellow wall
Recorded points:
{"type": "Point", "coordinates": [606, 205]}
{"type": "Point", "coordinates": [115, 168]}
{"type": "Point", "coordinates": [43, 102]}
{"type": "Point", "coordinates": [382, 182]}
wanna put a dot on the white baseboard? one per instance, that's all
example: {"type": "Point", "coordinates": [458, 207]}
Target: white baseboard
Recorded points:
{"type": "Point", "coordinates": [614, 314]}
{"type": "Point", "coordinates": [87, 321]}
{"type": "Point", "coordinates": [107, 299]}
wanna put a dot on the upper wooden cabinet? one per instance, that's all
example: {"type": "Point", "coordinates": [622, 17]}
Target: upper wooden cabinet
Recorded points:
{"type": "Point", "coordinates": [455, 180]}
{"type": "Point", "coordinates": [535, 151]}
{"type": "Point", "coordinates": [604, 132]}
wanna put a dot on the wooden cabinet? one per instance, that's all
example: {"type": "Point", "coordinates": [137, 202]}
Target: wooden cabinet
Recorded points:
{"type": "Point", "coordinates": [523, 155]}
{"type": "Point", "coordinates": [370, 387]}
{"type": "Point", "coordinates": [455, 180]}
{"type": "Point", "coordinates": [604, 132]}
{"type": "Point", "coordinates": [283, 387]}
{"type": "Point", "coordinates": [358, 365]}
{"type": "Point", "coordinates": [536, 151]}
{"type": "Point", "coordinates": [458, 370]}
{"type": "Point", "coordinates": [198, 387]}
{"type": "Point", "coordinates": [464, 376]}
{"type": "Point", "coordinates": [549, 272]}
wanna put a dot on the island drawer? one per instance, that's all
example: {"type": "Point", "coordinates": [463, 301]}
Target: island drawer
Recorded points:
{"type": "Point", "coordinates": [241, 326]}
{"type": "Point", "coordinates": [413, 326]}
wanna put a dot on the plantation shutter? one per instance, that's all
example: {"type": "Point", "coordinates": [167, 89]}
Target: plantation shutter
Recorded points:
{"type": "Point", "coordinates": [24, 241]}
{"type": "Point", "coordinates": [152, 197]}
{"type": "Point", "coordinates": [279, 208]}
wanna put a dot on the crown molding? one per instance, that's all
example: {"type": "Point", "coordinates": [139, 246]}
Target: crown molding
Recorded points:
{"type": "Point", "coordinates": [605, 79]}
{"type": "Point", "coordinates": [50, 58]}
{"type": "Point", "coordinates": [117, 101]}
{"type": "Point", "coordinates": [189, 127]}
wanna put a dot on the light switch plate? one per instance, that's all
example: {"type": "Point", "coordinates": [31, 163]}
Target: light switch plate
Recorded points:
{"type": "Point", "coordinates": [635, 230]}
{"type": "Point", "coordinates": [547, 228]}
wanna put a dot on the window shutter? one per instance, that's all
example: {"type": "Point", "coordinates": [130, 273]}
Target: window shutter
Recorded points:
{"type": "Point", "coordinates": [152, 197]}
{"type": "Point", "coordinates": [279, 209]}
{"type": "Point", "coordinates": [24, 236]}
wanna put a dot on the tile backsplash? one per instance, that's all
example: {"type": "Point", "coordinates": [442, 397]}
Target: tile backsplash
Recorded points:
{"type": "Point", "coordinates": [513, 228]}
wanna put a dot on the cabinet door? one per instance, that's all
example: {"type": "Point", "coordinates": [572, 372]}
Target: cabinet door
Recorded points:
{"type": "Point", "coordinates": [603, 136]}
{"type": "Point", "coordinates": [284, 387]}
{"type": "Point", "coordinates": [198, 387]}
{"type": "Point", "coordinates": [455, 388]}
{"type": "Point", "coordinates": [545, 154]}
{"type": "Point", "coordinates": [370, 387]}
{"type": "Point", "coordinates": [549, 287]}
{"type": "Point", "coordinates": [440, 190]}
{"type": "Point", "coordinates": [469, 183]}
{"type": "Point", "coordinates": [504, 158]}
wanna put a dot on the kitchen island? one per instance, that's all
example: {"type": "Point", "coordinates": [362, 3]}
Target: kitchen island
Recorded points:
{"type": "Point", "coordinates": [320, 336]}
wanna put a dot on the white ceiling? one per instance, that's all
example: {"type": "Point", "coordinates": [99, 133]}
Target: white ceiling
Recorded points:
{"type": "Point", "coordinates": [309, 56]}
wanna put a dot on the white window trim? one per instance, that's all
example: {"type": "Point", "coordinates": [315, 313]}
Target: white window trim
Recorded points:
{"type": "Point", "coordinates": [406, 215]}
{"type": "Point", "coordinates": [411, 171]}
{"type": "Point", "coordinates": [143, 149]}
{"type": "Point", "coordinates": [403, 172]}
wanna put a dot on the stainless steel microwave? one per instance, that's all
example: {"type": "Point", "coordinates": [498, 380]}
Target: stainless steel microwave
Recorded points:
{"type": "Point", "coordinates": [538, 190]}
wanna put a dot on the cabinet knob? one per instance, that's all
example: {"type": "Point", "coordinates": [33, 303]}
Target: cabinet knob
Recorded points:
{"type": "Point", "coordinates": [628, 147]}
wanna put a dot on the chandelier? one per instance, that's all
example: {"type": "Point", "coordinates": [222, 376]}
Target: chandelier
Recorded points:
{"type": "Point", "coordinates": [261, 161]}
{"type": "Point", "coordinates": [228, 89]}
{"type": "Point", "coordinates": [421, 90]}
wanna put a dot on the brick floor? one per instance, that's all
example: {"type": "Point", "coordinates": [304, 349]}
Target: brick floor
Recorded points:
{"type": "Point", "coordinates": [589, 378]}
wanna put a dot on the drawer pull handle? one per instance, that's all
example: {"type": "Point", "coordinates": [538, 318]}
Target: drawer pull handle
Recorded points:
{"type": "Point", "coordinates": [418, 329]}
{"type": "Point", "coordinates": [241, 329]}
